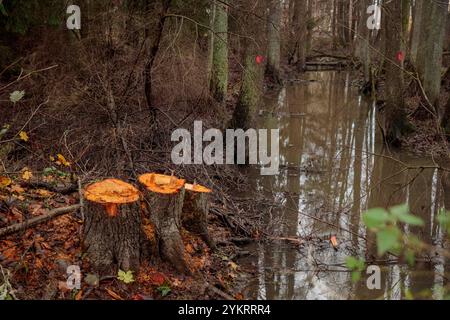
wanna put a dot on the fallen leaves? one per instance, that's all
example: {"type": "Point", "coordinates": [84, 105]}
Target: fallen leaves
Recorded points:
{"type": "Point", "coordinates": [61, 160]}
{"type": "Point", "coordinates": [16, 96]}
{"type": "Point", "coordinates": [44, 193]}
{"type": "Point", "coordinates": [26, 174]}
{"type": "Point", "coordinates": [125, 277]}
{"type": "Point", "coordinates": [15, 188]}
{"type": "Point", "coordinates": [151, 277]}
{"type": "Point", "coordinates": [23, 136]}
{"type": "Point", "coordinates": [4, 182]}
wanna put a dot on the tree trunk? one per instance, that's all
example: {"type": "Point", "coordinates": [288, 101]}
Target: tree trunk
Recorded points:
{"type": "Point", "coordinates": [273, 41]}
{"type": "Point", "coordinates": [219, 70]}
{"type": "Point", "coordinates": [298, 35]}
{"type": "Point", "coordinates": [333, 24]}
{"type": "Point", "coordinates": [362, 50]}
{"type": "Point", "coordinates": [212, 16]}
{"type": "Point", "coordinates": [406, 12]}
{"type": "Point", "coordinates": [113, 241]}
{"type": "Point", "coordinates": [152, 55]}
{"type": "Point", "coordinates": [164, 196]}
{"type": "Point", "coordinates": [430, 47]}
{"type": "Point", "coordinates": [310, 24]}
{"type": "Point", "coordinates": [245, 110]}
{"type": "Point", "coordinates": [195, 215]}
{"type": "Point", "coordinates": [395, 122]}
{"type": "Point", "coordinates": [445, 123]}
{"type": "Point", "coordinates": [415, 34]}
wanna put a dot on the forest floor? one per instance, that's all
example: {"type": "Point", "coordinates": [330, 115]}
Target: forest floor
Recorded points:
{"type": "Point", "coordinates": [37, 258]}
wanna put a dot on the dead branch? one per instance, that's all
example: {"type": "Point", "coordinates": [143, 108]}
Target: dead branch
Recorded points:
{"type": "Point", "coordinates": [219, 292]}
{"type": "Point", "coordinates": [61, 189]}
{"type": "Point", "coordinates": [37, 220]}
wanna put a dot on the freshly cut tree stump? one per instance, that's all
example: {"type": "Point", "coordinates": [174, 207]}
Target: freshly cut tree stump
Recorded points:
{"type": "Point", "coordinates": [113, 234]}
{"type": "Point", "coordinates": [195, 212]}
{"type": "Point", "coordinates": [164, 196]}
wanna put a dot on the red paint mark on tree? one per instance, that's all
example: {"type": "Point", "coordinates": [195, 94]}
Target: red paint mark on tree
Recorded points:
{"type": "Point", "coordinates": [400, 56]}
{"type": "Point", "coordinates": [259, 59]}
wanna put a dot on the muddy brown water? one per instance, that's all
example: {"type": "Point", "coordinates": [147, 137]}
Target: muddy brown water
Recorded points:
{"type": "Point", "coordinates": [333, 168]}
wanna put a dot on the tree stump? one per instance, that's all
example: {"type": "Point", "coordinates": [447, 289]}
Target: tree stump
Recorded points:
{"type": "Point", "coordinates": [164, 196]}
{"type": "Point", "coordinates": [113, 234]}
{"type": "Point", "coordinates": [195, 212]}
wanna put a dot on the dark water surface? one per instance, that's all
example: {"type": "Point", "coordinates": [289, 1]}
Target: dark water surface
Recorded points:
{"type": "Point", "coordinates": [333, 167]}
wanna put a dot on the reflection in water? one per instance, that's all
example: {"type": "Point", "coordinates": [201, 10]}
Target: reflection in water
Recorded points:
{"type": "Point", "coordinates": [333, 167]}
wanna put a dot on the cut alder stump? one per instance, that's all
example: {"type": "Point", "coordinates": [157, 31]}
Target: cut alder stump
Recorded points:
{"type": "Point", "coordinates": [113, 235]}
{"type": "Point", "coordinates": [164, 196]}
{"type": "Point", "coordinates": [195, 212]}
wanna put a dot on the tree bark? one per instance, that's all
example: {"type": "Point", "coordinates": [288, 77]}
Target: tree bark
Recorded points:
{"type": "Point", "coordinates": [165, 213]}
{"type": "Point", "coordinates": [395, 122]}
{"type": "Point", "coordinates": [195, 215]}
{"type": "Point", "coordinates": [430, 47]}
{"type": "Point", "coordinates": [274, 43]}
{"type": "Point", "coordinates": [152, 55]}
{"type": "Point", "coordinates": [299, 21]}
{"type": "Point", "coordinates": [363, 40]}
{"type": "Point", "coordinates": [219, 70]}
{"type": "Point", "coordinates": [111, 242]}
{"type": "Point", "coordinates": [417, 25]}
{"type": "Point", "coordinates": [445, 122]}
{"type": "Point", "coordinates": [243, 114]}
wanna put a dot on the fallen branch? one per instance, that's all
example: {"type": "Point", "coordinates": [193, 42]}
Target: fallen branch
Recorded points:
{"type": "Point", "coordinates": [219, 292]}
{"type": "Point", "coordinates": [61, 189]}
{"type": "Point", "coordinates": [37, 220]}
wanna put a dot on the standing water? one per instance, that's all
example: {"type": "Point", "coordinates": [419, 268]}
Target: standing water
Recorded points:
{"type": "Point", "coordinates": [333, 167]}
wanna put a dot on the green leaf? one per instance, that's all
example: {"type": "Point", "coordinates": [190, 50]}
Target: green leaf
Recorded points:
{"type": "Point", "coordinates": [401, 213]}
{"type": "Point", "coordinates": [16, 96]}
{"type": "Point", "coordinates": [411, 220]}
{"type": "Point", "coordinates": [353, 263]}
{"type": "Point", "coordinates": [376, 218]}
{"type": "Point", "coordinates": [387, 239]}
{"type": "Point", "coordinates": [399, 210]}
{"type": "Point", "coordinates": [125, 277]}
{"type": "Point", "coordinates": [164, 290]}
{"type": "Point", "coordinates": [356, 275]}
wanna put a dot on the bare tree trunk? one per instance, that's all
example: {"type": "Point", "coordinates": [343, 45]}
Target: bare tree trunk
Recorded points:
{"type": "Point", "coordinates": [445, 123]}
{"type": "Point", "coordinates": [309, 27]}
{"type": "Point", "coordinates": [298, 34]}
{"type": "Point", "coordinates": [430, 48]}
{"type": "Point", "coordinates": [333, 24]}
{"type": "Point", "coordinates": [362, 50]}
{"type": "Point", "coordinates": [152, 55]}
{"type": "Point", "coordinates": [417, 25]}
{"type": "Point", "coordinates": [219, 71]}
{"type": "Point", "coordinates": [395, 122]}
{"type": "Point", "coordinates": [212, 16]}
{"type": "Point", "coordinates": [274, 44]}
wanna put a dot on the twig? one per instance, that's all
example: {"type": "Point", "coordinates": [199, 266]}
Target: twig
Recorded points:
{"type": "Point", "coordinates": [26, 76]}
{"type": "Point", "coordinates": [37, 220]}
